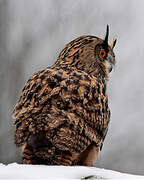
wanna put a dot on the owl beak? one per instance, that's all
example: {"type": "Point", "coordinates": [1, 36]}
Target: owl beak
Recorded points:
{"type": "Point", "coordinates": [111, 62]}
{"type": "Point", "coordinates": [110, 59]}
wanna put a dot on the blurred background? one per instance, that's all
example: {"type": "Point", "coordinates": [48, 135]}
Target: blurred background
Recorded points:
{"type": "Point", "coordinates": [32, 33]}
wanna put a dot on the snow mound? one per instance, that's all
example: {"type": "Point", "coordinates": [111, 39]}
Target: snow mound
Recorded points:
{"type": "Point", "coordinates": [40, 172]}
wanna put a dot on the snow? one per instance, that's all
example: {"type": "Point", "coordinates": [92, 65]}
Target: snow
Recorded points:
{"type": "Point", "coordinates": [16, 171]}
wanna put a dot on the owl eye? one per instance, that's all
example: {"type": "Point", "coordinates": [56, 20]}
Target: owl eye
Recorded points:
{"type": "Point", "coordinates": [102, 53]}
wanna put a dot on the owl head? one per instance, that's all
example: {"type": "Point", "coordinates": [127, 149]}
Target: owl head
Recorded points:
{"type": "Point", "coordinates": [90, 54]}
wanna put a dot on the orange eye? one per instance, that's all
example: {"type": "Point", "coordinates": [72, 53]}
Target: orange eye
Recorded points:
{"type": "Point", "coordinates": [102, 53]}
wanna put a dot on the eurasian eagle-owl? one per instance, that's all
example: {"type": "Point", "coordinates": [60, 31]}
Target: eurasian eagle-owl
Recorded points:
{"type": "Point", "coordinates": [62, 115]}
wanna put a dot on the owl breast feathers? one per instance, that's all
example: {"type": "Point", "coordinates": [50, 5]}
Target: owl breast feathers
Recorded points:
{"type": "Point", "coordinates": [62, 116]}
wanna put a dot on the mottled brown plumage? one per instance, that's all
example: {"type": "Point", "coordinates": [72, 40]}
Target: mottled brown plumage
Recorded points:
{"type": "Point", "coordinates": [62, 116]}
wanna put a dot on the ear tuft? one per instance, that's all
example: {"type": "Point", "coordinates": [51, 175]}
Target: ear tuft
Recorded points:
{"type": "Point", "coordinates": [113, 43]}
{"type": "Point", "coordinates": [107, 34]}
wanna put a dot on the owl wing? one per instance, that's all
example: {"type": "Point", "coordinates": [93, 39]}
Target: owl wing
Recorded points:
{"type": "Point", "coordinates": [70, 106]}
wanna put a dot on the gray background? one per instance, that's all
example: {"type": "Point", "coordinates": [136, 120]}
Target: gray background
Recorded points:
{"type": "Point", "coordinates": [32, 33]}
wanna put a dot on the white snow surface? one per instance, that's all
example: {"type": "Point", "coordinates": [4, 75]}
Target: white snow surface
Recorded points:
{"type": "Point", "coordinates": [16, 171]}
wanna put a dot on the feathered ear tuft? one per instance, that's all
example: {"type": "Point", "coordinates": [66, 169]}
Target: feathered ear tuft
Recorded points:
{"type": "Point", "coordinates": [113, 43]}
{"type": "Point", "coordinates": [107, 34]}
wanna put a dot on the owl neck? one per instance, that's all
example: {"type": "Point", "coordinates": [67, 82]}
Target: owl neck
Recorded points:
{"type": "Point", "coordinates": [97, 70]}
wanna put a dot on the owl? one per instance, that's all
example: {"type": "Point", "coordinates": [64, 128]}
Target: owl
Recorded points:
{"type": "Point", "coordinates": [62, 116]}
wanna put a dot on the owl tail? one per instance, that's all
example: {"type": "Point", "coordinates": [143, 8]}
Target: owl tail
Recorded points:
{"type": "Point", "coordinates": [28, 156]}
{"type": "Point", "coordinates": [34, 152]}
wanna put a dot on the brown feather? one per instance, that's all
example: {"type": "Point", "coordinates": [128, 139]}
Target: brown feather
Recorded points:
{"type": "Point", "coordinates": [67, 104]}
